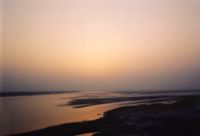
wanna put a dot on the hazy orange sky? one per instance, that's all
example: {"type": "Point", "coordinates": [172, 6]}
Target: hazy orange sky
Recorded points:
{"type": "Point", "coordinates": [100, 44]}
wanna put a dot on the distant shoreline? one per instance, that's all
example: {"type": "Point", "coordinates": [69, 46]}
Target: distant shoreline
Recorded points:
{"type": "Point", "coordinates": [10, 94]}
{"type": "Point", "coordinates": [21, 93]}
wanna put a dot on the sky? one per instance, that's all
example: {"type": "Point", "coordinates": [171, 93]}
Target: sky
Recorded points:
{"type": "Point", "coordinates": [1, 71]}
{"type": "Point", "coordinates": [51, 45]}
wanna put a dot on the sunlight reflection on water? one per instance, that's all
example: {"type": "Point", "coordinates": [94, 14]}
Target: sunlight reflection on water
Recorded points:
{"type": "Point", "coordinates": [26, 113]}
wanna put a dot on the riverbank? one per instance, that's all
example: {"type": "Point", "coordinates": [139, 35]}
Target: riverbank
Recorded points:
{"type": "Point", "coordinates": [180, 118]}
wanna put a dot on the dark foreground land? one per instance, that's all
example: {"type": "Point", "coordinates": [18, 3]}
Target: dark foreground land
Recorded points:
{"type": "Point", "coordinates": [176, 119]}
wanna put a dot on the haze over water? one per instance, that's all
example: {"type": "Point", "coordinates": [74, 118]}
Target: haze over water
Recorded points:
{"type": "Point", "coordinates": [65, 61]}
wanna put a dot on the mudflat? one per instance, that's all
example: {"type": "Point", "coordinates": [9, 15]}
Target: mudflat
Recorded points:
{"type": "Point", "coordinates": [181, 118]}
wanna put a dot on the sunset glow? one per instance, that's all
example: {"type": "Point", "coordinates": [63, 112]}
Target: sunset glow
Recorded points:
{"type": "Point", "coordinates": [100, 44]}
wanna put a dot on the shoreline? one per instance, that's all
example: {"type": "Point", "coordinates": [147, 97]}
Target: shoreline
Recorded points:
{"type": "Point", "coordinates": [12, 94]}
{"type": "Point", "coordinates": [180, 118]}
